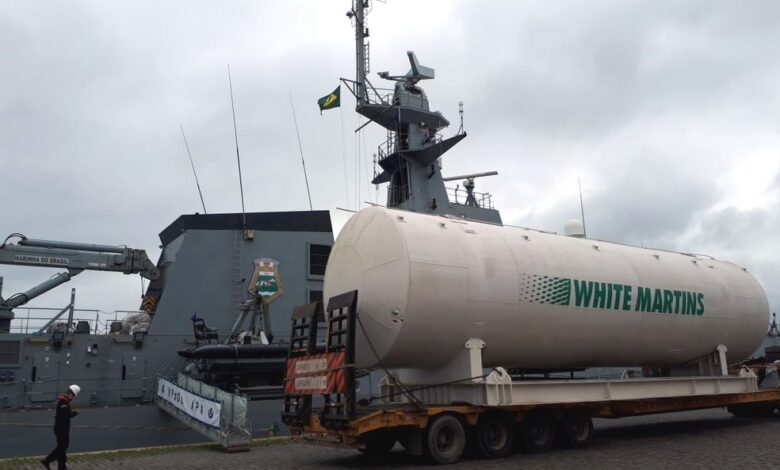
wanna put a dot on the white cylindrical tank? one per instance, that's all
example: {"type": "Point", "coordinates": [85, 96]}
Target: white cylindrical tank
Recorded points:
{"type": "Point", "coordinates": [426, 284]}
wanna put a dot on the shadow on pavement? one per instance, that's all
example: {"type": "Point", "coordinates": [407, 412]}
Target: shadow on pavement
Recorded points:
{"type": "Point", "coordinates": [603, 438]}
{"type": "Point", "coordinates": [670, 428]}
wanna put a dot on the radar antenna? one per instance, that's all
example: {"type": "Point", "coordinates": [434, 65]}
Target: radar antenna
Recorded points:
{"type": "Point", "coordinates": [416, 73]}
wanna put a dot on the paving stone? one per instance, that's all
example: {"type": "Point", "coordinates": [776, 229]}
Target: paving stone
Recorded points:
{"type": "Point", "coordinates": [692, 440]}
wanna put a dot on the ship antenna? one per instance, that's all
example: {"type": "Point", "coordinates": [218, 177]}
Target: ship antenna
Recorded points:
{"type": "Point", "coordinates": [460, 111]}
{"type": "Point", "coordinates": [582, 209]}
{"type": "Point", "coordinates": [358, 12]}
{"type": "Point", "coordinates": [238, 155]}
{"type": "Point", "coordinates": [197, 183]}
{"type": "Point", "coordinates": [300, 148]}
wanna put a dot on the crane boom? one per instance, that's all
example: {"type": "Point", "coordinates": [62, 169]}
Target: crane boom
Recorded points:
{"type": "Point", "coordinates": [78, 256]}
{"type": "Point", "coordinates": [74, 257]}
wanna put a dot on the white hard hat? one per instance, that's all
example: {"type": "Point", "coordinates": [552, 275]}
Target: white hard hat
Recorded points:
{"type": "Point", "coordinates": [75, 389]}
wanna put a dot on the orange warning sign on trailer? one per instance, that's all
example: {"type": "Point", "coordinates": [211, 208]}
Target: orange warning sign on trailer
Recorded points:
{"type": "Point", "coordinates": [317, 374]}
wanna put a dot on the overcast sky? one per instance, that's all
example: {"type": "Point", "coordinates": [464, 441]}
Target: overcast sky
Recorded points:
{"type": "Point", "coordinates": [669, 112]}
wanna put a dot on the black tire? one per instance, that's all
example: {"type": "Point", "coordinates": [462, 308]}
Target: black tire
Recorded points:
{"type": "Point", "coordinates": [576, 430]}
{"type": "Point", "coordinates": [445, 439]}
{"type": "Point", "coordinates": [378, 443]}
{"type": "Point", "coordinates": [538, 431]}
{"type": "Point", "coordinates": [495, 435]}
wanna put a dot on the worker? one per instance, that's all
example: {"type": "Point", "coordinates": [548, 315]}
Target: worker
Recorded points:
{"type": "Point", "coordinates": [62, 428]}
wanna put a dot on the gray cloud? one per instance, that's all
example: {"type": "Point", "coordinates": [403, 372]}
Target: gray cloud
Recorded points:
{"type": "Point", "coordinates": [734, 229]}
{"type": "Point", "coordinates": [653, 105]}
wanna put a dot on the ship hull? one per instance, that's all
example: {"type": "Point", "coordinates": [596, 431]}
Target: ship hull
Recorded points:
{"type": "Point", "coordinates": [29, 432]}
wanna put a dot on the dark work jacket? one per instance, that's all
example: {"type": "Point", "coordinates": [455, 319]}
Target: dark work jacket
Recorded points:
{"type": "Point", "coordinates": [63, 415]}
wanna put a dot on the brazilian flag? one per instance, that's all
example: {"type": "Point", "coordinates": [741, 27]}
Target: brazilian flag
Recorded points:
{"type": "Point", "coordinates": [330, 101]}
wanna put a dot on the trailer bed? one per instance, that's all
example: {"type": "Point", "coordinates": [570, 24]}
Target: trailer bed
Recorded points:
{"type": "Point", "coordinates": [386, 416]}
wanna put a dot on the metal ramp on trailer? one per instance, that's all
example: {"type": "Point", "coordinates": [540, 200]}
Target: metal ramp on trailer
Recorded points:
{"type": "Point", "coordinates": [330, 374]}
{"type": "Point", "coordinates": [214, 413]}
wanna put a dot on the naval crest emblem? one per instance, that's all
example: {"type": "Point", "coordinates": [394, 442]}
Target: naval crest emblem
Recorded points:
{"type": "Point", "coordinates": [266, 283]}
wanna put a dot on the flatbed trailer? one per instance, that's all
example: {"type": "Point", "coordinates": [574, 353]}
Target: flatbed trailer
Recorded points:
{"type": "Point", "coordinates": [489, 415]}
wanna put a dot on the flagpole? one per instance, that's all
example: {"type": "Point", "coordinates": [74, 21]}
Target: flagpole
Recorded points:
{"type": "Point", "coordinates": [300, 149]}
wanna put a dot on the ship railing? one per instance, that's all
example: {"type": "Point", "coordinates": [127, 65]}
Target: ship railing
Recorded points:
{"type": "Point", "coordinates": [386, 149]}
{"type": "Point", "coordinates": [381, 96]}
{"type": "Point", "coordinates": [29, 320]}
{"type": "Point", "coordinates": [374, 95]}
{"type": "Point", "coordinates": [388, 97]}
{"type": "Point", "coordinates": [171, 367]}
{"type": "Point", "coordinates": [390, 146]}
{"type": "Point", "coordinates": [458, 195]}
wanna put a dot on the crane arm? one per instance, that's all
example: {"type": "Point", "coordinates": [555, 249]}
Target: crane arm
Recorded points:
{"type": "Point", "coordinates": [77, 256]}
{"type": "Point", "coordinates": [74, 257]}
{"type": "Point", "coordinates": [22, 298]}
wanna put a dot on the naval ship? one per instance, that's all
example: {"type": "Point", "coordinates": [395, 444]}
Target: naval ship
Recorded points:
{"type": "Point", "coordinates": [198, 305]}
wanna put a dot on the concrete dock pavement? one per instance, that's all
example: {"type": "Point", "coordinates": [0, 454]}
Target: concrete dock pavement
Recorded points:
{"type": "Point", "coordinates": [691, 440]}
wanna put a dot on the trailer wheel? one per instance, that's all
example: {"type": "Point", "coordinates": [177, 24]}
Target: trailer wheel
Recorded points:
{"type": "Point", "coordinates": [538, 431]}
{"type": "Point", "coordinates": [378, 443]}
{"type": "Point", "coordinates": [576, 430]}
{"type": "Point", "coordinates": [445, 439]}
{"type": "Point", "coordinates": [494, 435]}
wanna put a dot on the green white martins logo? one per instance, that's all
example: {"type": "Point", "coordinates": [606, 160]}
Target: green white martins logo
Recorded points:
{"type": "Point", "coordinates": [535, 288]}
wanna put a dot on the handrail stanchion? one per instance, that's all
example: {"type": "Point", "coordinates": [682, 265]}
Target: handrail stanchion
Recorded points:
{"type": "Point", "coordinates": [70, 311]}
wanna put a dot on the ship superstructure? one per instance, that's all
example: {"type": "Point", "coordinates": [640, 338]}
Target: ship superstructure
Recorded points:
{"type": "Point", "coordinates": [205, 268]}
{"type": "Point", "coordinates": [410, 158]}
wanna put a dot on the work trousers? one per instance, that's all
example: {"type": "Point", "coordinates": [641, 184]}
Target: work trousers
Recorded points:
{"type": "Point", "coordinates": [58, 454]}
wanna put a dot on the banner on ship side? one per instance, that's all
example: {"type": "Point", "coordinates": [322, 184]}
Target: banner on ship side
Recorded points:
{"type": "Point", "coordinates": [199, 408]}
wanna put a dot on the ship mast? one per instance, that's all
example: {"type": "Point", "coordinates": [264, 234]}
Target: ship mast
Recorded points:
{"type": "Point", "coordinates": [359, 11]}
{"type": "Point", "coordinates": [410, 159]}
